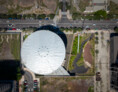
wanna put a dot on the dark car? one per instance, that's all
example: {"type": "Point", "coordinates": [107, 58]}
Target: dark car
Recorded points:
{"type": "Point", "coordinates": [26, 89]}
{"type": "Point", "coordinates": [9, 28]}
{"type": "Point", "coordinates": [25, 83]}
{"type": "Point", "coordinates": [46, 18]}
{"type": "Point", "coordinates": [98, 76]}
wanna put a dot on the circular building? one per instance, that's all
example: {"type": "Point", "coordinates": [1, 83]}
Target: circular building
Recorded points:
{"type": "Point", "coordinates": [43, 52]}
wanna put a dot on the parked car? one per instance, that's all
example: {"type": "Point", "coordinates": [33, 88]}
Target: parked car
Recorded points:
{"type": "Point", "coordinates": [26, 89]}
{"type": "Point", "coordinates": [13, 28]}
{"type": "Point", "coordinates": [46, 18]}
{"type": "Point", "coordinates": [25, 83]}
{"type": "Point", "coordinates": [9, 28]}
{"type": "Point", "coordinates": [35, 85]}
{"type": "Point", "coordinates": [98, 76]}
{"type": "Point", "coordinates": [88, 29]}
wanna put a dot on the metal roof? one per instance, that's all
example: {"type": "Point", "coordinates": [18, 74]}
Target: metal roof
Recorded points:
{"type": "Point", "coordinates": [43, 52]}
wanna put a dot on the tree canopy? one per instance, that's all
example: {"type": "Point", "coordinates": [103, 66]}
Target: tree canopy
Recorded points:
{"type": "Point", "coordinates": [101, 14]}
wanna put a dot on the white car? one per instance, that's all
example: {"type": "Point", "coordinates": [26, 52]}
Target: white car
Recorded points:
{"type": "Point", "coordinates": [94, 24]}
{"type": "Point", "coordinates": [30, 90]}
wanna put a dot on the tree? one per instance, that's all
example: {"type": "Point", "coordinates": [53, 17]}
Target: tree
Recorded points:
{"type": "Point", "coordinates": [24, 16]}
{"type": "Point", "coordinates": [61, 5]}
{"type": "Point", "coordinates": [96, 38]}
{"type": "Point", "coordinates": [96, 51]}
{"type": "Point", "coordinates": [34, 16]}
{"type": "Point", "coordinates": [28, 15]}
{"type": "Point", "coordinates": [75, 15]}
{"type": "Point", "coordinates": [19, 16]}
{"type": "Point", "coordinates": [101, 14]}
{"type": "Point", "coordinates": [41, 16]}
{"type": "Point", "coordinates": [116, 29]}
{"type": "Point", "coordinates": [51, 16]}
{"type": "Point", "coordinates": [96, 33]}
{"type": "Point", "coordinates": [68, 7]}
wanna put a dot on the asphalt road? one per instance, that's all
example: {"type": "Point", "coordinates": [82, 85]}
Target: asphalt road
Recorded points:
{"type": "Point", "coordinates": [64, 22]}
{"type": "Point", "coordinates": [29, 79]}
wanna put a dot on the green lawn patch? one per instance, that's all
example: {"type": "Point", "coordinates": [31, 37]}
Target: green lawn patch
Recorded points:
{"type": "Point", "coordinates": [71, 62]}
{"type": "Point", "coordinates": [92, 42]}
{"type": "Point", "coordinates": [15, 46]}
{"type": "Point", "coordinates": [91, 89]}
{"type": "Point", "coordinates": [75, 46]}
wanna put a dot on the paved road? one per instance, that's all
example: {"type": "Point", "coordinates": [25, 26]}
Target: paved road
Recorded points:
{"type": "Point", "coordinates": [29, 79]}
{"type": "Point", "coordinates": [64, 22]}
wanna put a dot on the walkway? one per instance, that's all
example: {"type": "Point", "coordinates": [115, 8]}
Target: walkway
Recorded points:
{"type": "Point", "coordinates": [102, 62]}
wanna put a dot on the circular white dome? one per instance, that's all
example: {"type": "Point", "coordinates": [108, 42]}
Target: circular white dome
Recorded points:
{"type": "Point", "coordinates": [43, 52]}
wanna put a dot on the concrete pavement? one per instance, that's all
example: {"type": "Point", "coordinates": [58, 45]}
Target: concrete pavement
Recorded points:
{"type": "Point", "coordinates": [102, 62]}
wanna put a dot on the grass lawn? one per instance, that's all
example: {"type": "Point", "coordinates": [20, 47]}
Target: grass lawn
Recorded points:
{"type": "Point", "coordinates": [71, 62]}
{"type": "Point", "coordinates": [92, 42]}
{"type": "Point", "coordinates": [15, 46]}
{"type": "Point", "coordinates": [75, 46]}
{"type": "Point", "coordinates": [91, 89]}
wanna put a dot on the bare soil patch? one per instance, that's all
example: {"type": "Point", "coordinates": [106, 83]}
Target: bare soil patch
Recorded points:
{"type": "Point", "coordinates": [65, 84]}
{"type": "Point", "coordinates": [87, 53]}
{"type": "Point", "coordinates": [51, 4]}
{"type": "Point", "coordinates": [28, 6]}
{"type": "Point", "coordinates": [5, 54]}
{"type": "Point", "coordinates": [26, 3]}
{"type": "Point", "coordinates": [9, 46]}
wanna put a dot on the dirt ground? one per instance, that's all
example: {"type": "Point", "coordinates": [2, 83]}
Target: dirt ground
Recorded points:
{"type": "Point", "coordinates": [9, 46]}
{"type": "Point", "coordinates": [28, 6]}
{"type": "Point", "coordinates": [87, 53]}
{"type": "Point", "coordinates": [65, 84]}
{"type": "Point", "coordinates": [5, 54]}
